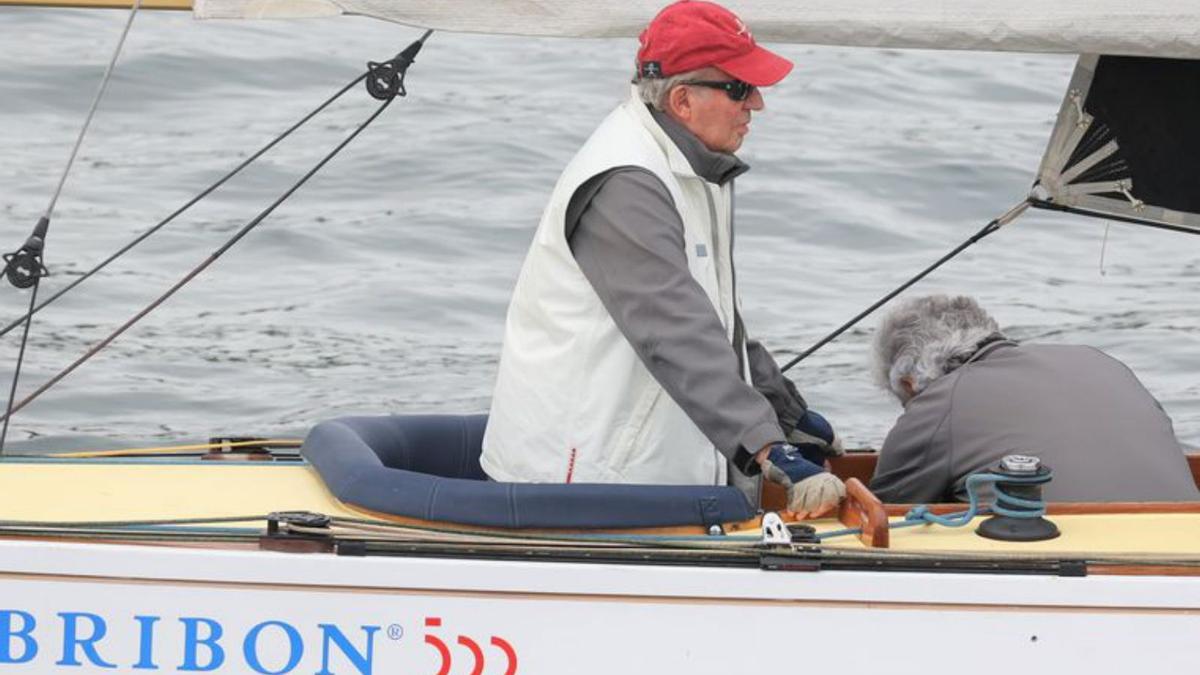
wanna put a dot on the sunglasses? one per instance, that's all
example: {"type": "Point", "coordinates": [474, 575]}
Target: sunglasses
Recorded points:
{"type": "Point", "coordinates": [735, 89]}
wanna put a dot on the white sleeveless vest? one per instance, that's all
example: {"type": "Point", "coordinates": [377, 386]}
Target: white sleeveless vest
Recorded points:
{"type": "Point", "coordinates": [573, 402]}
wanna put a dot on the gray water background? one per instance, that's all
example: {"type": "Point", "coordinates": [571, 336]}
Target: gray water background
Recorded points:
{"type": "Point", "coordinates": [381, 286]}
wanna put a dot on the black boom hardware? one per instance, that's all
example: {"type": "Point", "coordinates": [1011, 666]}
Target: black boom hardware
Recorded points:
{"type": "Point", "coordinates": [23, 267]}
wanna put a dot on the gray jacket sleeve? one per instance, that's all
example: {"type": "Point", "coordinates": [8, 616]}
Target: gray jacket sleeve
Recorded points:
{"type": "Point", "coordinates": [915, 460]}
{"type": "Point", "coordinates": [629, 243]}
{"type": "Point", "coordinates": [781, 392]}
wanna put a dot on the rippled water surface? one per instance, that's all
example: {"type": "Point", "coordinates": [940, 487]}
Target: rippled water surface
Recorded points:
{"type": "Point", "coordinates": [381, 285]}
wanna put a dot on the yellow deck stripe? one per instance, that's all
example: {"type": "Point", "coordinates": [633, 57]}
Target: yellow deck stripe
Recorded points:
{"type": "Point", "coordinates": [102, 4]}
{"type": "Point", "coordinates": [100, 492]}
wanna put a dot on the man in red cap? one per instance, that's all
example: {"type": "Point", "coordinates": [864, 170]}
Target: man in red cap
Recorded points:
{"type": "Point", "coordinates": [625, 357]}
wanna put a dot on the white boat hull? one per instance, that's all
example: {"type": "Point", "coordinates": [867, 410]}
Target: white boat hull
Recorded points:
{"type": "Point", "coordinates": [81, 608]}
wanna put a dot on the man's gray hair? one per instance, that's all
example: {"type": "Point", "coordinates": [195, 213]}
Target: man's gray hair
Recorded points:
{"type": "Point", "coordinates": [922, 337]}
{"type": "Point", "coordinates": [654, 90]}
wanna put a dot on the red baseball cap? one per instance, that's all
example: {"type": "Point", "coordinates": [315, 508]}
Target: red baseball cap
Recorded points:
{"type": "Point", "coordinates": [689, 35]}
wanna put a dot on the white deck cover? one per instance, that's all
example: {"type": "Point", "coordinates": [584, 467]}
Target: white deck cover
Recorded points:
{"type": "Point", "coordinates": [1159, 28]}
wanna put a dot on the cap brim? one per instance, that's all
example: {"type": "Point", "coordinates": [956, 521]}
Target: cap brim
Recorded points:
{"type": "Point", "coordinates": [758, 67]}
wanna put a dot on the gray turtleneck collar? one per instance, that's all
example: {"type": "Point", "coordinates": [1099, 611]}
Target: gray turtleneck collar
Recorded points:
{"type": "Point", "coordinates": [714, 167]}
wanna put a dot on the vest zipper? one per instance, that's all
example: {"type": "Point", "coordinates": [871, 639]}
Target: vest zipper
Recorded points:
{"type": "Point", "coordinates": [738, 330]}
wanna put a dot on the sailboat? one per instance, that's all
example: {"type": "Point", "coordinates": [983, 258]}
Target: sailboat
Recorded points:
{"type": "Point", "coordinates": [376, 547]}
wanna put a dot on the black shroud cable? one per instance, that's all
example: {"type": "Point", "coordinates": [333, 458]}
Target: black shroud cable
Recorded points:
{"type": "Point", "coordinates": [384, 82]}
{"type": "Point", "coordinates": [983, 232]}
{"type": "Point", "coordinates": [178, 212]}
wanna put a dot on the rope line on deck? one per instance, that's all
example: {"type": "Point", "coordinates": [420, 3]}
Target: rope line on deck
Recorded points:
{"type": "Point", "coordinates": [1003, 505]}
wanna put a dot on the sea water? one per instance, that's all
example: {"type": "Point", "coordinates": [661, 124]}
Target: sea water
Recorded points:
{"type": "Point", "coordinates": [381, 286]}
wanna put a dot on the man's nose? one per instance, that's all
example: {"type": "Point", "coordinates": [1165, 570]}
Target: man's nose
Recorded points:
{"type": "Point", "coordinates": [755, 100]}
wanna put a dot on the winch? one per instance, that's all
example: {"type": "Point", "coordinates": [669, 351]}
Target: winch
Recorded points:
{"type": "Point", "coordinates": [1018, 507]}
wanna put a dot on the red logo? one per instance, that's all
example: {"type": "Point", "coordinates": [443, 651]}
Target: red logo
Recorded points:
{"type": "Point", "coordinates": [472, 646]}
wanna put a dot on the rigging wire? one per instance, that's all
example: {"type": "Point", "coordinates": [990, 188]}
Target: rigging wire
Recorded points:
{"type": "Point", "coordinates": [384, 81]}
{"type": "Point", "coordinates": [1104, 248]}
{"type": "Point", "coordinates": [192, 202]}
{"type": "Point", "coordinates": [991, 227]}
{"type": "Point", "coordinates": [246, 229]}
{"type": "Point", "coordinates": [30, 254]}
{"type": "Point", "coordinates": [137, 4]}
{"type": "Point", "coordinates": [12, 391]}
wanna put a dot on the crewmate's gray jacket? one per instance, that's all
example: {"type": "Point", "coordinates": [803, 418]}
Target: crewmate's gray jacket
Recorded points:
{"type": "Point", "coordinates": [628, 240]}
{"type": "Point", "coordinates": [1081, 411]}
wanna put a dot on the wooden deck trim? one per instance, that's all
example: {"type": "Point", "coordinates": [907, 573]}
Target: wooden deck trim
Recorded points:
{"type": "Point", "coordinates": [862, 509]}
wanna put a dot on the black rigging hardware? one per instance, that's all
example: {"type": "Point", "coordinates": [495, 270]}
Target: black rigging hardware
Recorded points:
{"type": "Point", "coordinates": [23, 267]}
{"type": "Point", "coordinates": [385, 81]}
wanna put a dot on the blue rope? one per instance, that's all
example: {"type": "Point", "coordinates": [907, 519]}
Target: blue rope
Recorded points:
{"type": "Point", "coordinates": [893, 525]}
{"type": "Point", "coordinates": [1032, 508]}
{"type": "Point", "coordinates": [839, 533]}
{"type": "Point", "coordinates": [921, 515]}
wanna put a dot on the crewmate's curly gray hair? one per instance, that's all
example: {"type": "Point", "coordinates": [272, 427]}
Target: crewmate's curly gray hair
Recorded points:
{"type": "Point", "coordinates": [654, 90]}
{"type": "Point", "coordinates": [919, 340]}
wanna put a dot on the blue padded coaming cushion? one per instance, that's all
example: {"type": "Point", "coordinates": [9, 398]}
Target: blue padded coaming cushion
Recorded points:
{"type": "Point", "coordinates": [427, 466]}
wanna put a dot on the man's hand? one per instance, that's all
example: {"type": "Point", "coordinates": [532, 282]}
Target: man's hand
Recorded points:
{"type": "Point", "coordinates": [811, 491]}
{"type": "Point", "coordinates": [815, 438]}
{"type": "Point", "coordinates": [816, 496]}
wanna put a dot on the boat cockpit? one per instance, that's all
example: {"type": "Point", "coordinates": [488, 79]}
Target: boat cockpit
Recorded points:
{"type": "Point", "coordinates": [426, 468]}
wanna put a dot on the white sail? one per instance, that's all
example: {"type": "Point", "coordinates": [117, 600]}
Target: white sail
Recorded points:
{"type": "Point", "coordinates": [1161, 28]}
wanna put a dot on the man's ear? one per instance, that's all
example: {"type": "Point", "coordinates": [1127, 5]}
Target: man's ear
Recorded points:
{"type": "Point", "coordinates": [909, 386]}
{"type": "Point", "coordinates": [679, 103]}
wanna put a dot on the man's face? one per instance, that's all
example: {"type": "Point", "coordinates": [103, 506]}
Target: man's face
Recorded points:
{"type": "Point", "coordinates": [717, 120]}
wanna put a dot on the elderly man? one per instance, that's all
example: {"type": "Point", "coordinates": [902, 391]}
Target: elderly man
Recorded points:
{"type": "Point", "coordinates": [625, 357]}
{"type": "Point", "coordinates": [971, 396]}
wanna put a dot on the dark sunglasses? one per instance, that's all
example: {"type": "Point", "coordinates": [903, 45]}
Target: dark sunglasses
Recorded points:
{"type": "Point", "coordinates": [735, 89]}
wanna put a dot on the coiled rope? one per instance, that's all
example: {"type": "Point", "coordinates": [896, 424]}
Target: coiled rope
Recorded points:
{"type": "Point", "coordinates": [1004, 504]}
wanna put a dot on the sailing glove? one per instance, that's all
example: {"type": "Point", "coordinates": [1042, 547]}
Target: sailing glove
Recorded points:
{"type": "Point", "coordinates": [814, 436]}
{"type": "Point", "coordinates": [811, 491]}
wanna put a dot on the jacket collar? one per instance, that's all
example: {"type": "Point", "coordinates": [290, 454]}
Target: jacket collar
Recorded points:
{"type": "Point", "coordinates": [714, 167]}
{"type": "Point", "coordinates": [982, 350]}
{"type": "Point", "coordinates": [686, 154]}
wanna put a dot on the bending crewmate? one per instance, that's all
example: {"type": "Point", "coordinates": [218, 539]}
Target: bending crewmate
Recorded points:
{"type": "Point", "coordinates": [971, 395]}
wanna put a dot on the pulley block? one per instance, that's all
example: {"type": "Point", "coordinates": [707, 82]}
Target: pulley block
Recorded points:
{"type": "Point", "coordinates": [24, 267]}
{"type": "Point", "coordinates": [385, 80]}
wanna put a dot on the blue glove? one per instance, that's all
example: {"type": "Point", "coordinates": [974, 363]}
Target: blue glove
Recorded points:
{"type": "Point", "coordinates": [815, 438]}
{"type": "Point", "coordinates": [811, 491]}
{"type": "Point", "coordinates": [788, 464]}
